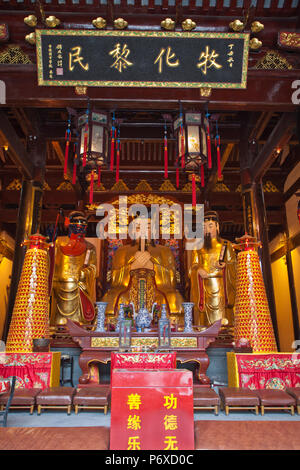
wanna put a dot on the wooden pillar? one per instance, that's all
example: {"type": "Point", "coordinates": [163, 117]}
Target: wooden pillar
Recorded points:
{"type": "Point", "coordinates": [28, 219]}
{"type": "Point", "coordinates": [254, 210]}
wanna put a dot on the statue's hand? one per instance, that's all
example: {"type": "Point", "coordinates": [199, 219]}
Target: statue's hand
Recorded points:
{"type": "Point", "coordinates": [220, 265]}
{"type": "Point", "coordinates": [202, 273]}
{"type": "Point", "coordinates": [142, 257]}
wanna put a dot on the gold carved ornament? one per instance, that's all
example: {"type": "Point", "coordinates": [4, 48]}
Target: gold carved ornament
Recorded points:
{"type": "Point", "coordinates": [273, 61]}
{"type": "Point", "coordinates": [13, 54]}
{"type": "Point", "coordinates": [168, 24]}
{"type": "Point", "coordinates": [188, 25]}
{"type": "Point", "coordinates": [99, 23]}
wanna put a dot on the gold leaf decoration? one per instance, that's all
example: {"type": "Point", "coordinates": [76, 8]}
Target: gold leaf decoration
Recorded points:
{"type": "Point", "coordinates": [167, 186]}
{"type": "Point", "coordinates": [14, 55]}
{"type": "Point", "coordinates": [120, 186]}
{"type": "Point", "coordinates": [273, 61]}
{"type": "Point", "coordinates": [65, 186]}
{"type": "Point", "coordinates": [14, 185]}
{"type": "Point", "coordinates": [188, 188]}
{"type": "Point", "coordinates": [222, 188]}
{"type": "Point", "coordinates": [143, 185]}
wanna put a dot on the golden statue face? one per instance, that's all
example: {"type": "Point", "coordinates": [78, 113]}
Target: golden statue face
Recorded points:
{"type": "Point", "coordinates": [212, 227]}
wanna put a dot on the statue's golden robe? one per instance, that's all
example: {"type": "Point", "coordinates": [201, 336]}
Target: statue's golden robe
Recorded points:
{"type": "Point", "coordinates": [165, 280]}
{"type": "Point", "coordinates": [73, 289]}
{"type": "Point", "coordinates": [213, 297]}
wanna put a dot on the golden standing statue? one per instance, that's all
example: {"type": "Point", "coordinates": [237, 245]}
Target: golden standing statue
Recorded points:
{"type": "Point", "coordinates": [212, 275]}
{"type": "Point", "coordinates": [144, 255]}
{"type": "Point", "coordinates": [73, 290]}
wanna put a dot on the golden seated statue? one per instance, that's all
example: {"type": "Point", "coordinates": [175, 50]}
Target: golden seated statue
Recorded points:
{"type": "Point", "coordinates": [144, 275]}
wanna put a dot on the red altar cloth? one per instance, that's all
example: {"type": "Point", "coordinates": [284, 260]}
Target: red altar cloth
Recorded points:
{"type": "Point", "coordinates": [152, 410]}
{"type": "Point", "coordinates": [32, 370]}
{"type": "Point", "coordinates": [257, 371]}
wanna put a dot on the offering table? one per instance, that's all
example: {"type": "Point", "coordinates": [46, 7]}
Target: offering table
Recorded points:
{"type": "Point", "coordinates": [189, 347]}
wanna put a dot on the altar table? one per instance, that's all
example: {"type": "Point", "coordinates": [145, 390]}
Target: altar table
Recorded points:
{"type": "Point", "coordinates": [32, 370]}
{"type": "Point", "coordinates": [97, 348]}
{"type": "Point", "coordinates": [262, 370]}
{"type": "Point", "coordinates": [152, 410]}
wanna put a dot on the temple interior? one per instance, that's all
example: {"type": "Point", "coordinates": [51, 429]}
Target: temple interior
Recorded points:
{"type": "Point", "coordinates": [150, 220]}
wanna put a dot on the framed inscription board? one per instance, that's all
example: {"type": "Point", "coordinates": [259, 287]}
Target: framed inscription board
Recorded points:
{"type": "Point", "coordinates": [142, 59]}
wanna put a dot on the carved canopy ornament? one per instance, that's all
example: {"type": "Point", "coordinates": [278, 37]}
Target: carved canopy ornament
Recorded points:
{"type": "Point", "coordinates": [13, 54]}
{"type": "Point", "coordinates": [273, 61]}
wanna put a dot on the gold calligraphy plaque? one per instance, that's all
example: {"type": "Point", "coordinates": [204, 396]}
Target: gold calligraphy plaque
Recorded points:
{"type": "Point", "coordinates": [184, 342]}
{"type": "Point", "coordinates": [103, 342]}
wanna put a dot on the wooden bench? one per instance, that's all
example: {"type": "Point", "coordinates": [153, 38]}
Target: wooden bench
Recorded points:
{"type": "Point", "coordinates": [93, 397]}
{"type": "Point", "coordinates": [238, 399]}
{"type": "Point", "coordinates": [206, 399]}
{"type": "Point", "coordinates": [23, 398]}
{"type": "Point", "coordinates": [55, 398]}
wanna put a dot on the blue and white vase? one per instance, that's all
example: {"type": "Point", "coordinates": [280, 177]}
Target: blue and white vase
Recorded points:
{"type": "Point", "coordinates": [121, 316]}
{"type": "Point", "coordinates": [188, 316]}
{"type": "Point", "coordinates": [101, 307]}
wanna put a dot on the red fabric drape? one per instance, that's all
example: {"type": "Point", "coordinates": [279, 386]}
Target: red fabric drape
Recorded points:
{"type": "Point", "coordinates": [278, 371]}
{"type": "Point", "coordinates": [33, 370]}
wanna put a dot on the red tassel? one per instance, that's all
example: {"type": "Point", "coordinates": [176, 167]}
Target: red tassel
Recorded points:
{"type": "Point", "coordinates": [166, 157]}
{"type": "Point", "coordinates": [99, 176]}
{"type": "Point", "coordinates": [92, 188]}
{"type": "Point", "coordinates": [177, 178]}
{"type": "Point", "coordinates": [202, 176]}
{"type": "Point", "coordinates": [66, 158]}
{"type": "Point", "coordinates": [219, 159]}
{"type": "Point", "coordinates": [118, 164]}
{"type": "Point", "coordinates": [182, 149]}
{"type": "Point", "coordinates": [74, 172]}
{"type": "Point", "coordinates": [85, 144]}
{"type": "Point", "coordinates": [112, 149]}
{"type": "Point", "coordinates": [208, 150]}
{"type": "Point", "coordinates": [193, 190]}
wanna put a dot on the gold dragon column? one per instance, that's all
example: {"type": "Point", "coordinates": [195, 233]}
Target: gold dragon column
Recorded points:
{"type": "Point", "coordinates": [30, 317]}
{"type": "Point", "coordinates": [252, 318]}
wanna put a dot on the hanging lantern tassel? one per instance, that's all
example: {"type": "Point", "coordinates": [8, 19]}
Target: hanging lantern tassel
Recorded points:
{"type": "Point", "coordinates": [209, 165]}
{"type": "Point", "coordinates": [182, 147]}
{"type": "Point", "coordinates": [177, 178]}
{"type": "Point", "coordinates": [85, 142]}
{"type": "Point", "coordinates": [202, 176]}
{"type": "Point", "coordinates": [166, 151]}
{"type": "Point", "coordinates": [118, 157]}
{"type": "Point", "coordinates": [99, 177]}
{"type": "Point", "coordinates": [218, 157]}
{"type": "Point", "coordinates": [68, 138]}
{"type": "Point", "coordinates": [92, 188]}
{"type": "Point", "coordinates": [193, 190]}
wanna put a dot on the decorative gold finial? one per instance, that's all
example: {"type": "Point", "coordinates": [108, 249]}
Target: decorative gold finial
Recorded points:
{"type": "Point", "coordinates": [168, 24]}
{"type": "Point", "coordinates": [255, 44]}
{"type": "Point", "coordinates": [81, 90]}
{"type": "Point", "coordinates": [52, 21]}
{"type": "Point", "coordinates": [188, 25]}
{"type": "Point", "coordinates": [236, 25]}
{"type": "Point", "coordinates": [31, 20]}
{"type": "Point", "coordinates": [256, 27]}
{"type": "Point", "coordinates": [120, 23]}
{"type": "Point", "coordinates": [30, 38]}
{"type": "Point", "coordinates": [205, 91]}
{"type": "Point", "coordinates": [99, 22]}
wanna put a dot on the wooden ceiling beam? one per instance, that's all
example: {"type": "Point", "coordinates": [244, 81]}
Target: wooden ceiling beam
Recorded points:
{"type": "Point", "coordinates": [16, 147]}
{"type": "Point", "coordinates": [278, 138]}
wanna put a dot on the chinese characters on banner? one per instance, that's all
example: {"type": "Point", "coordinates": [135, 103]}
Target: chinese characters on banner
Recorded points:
{"type": "Point", "coordinates": [152, 410]}
{"type": "Point", "coordinates": [146, 59]}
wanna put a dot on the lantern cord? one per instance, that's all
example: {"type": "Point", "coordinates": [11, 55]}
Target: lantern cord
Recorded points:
{"type": "Point", "coordinates": [112, 143]}
{"type": "Point", "coordinates": [193, 190]}
{"type": "Point", "coordinates": [92, 188]}
{"type": "Point", "coordinates": [209, 162]}
{"type": "Point", "coordinates": [118, 155]}
{"type": "Point", "coordinates": [99, 177]}
{"type": "Point", "coordinates": [86, 131]}
{"type": "Point", "coordinates": [166, 150]}
{"type": "Point", "coordinates": [217, 143]}
{"type": "Point", "coordinates": [68, 138]}
{"type": "Point", "coordinates": [202, 176]}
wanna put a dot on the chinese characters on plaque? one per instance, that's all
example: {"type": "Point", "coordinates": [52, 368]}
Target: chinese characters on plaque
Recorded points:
{"type": "Point", "coordinates": [152, 410]}
{"type": "Point", "coordinates": [145, 59]}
